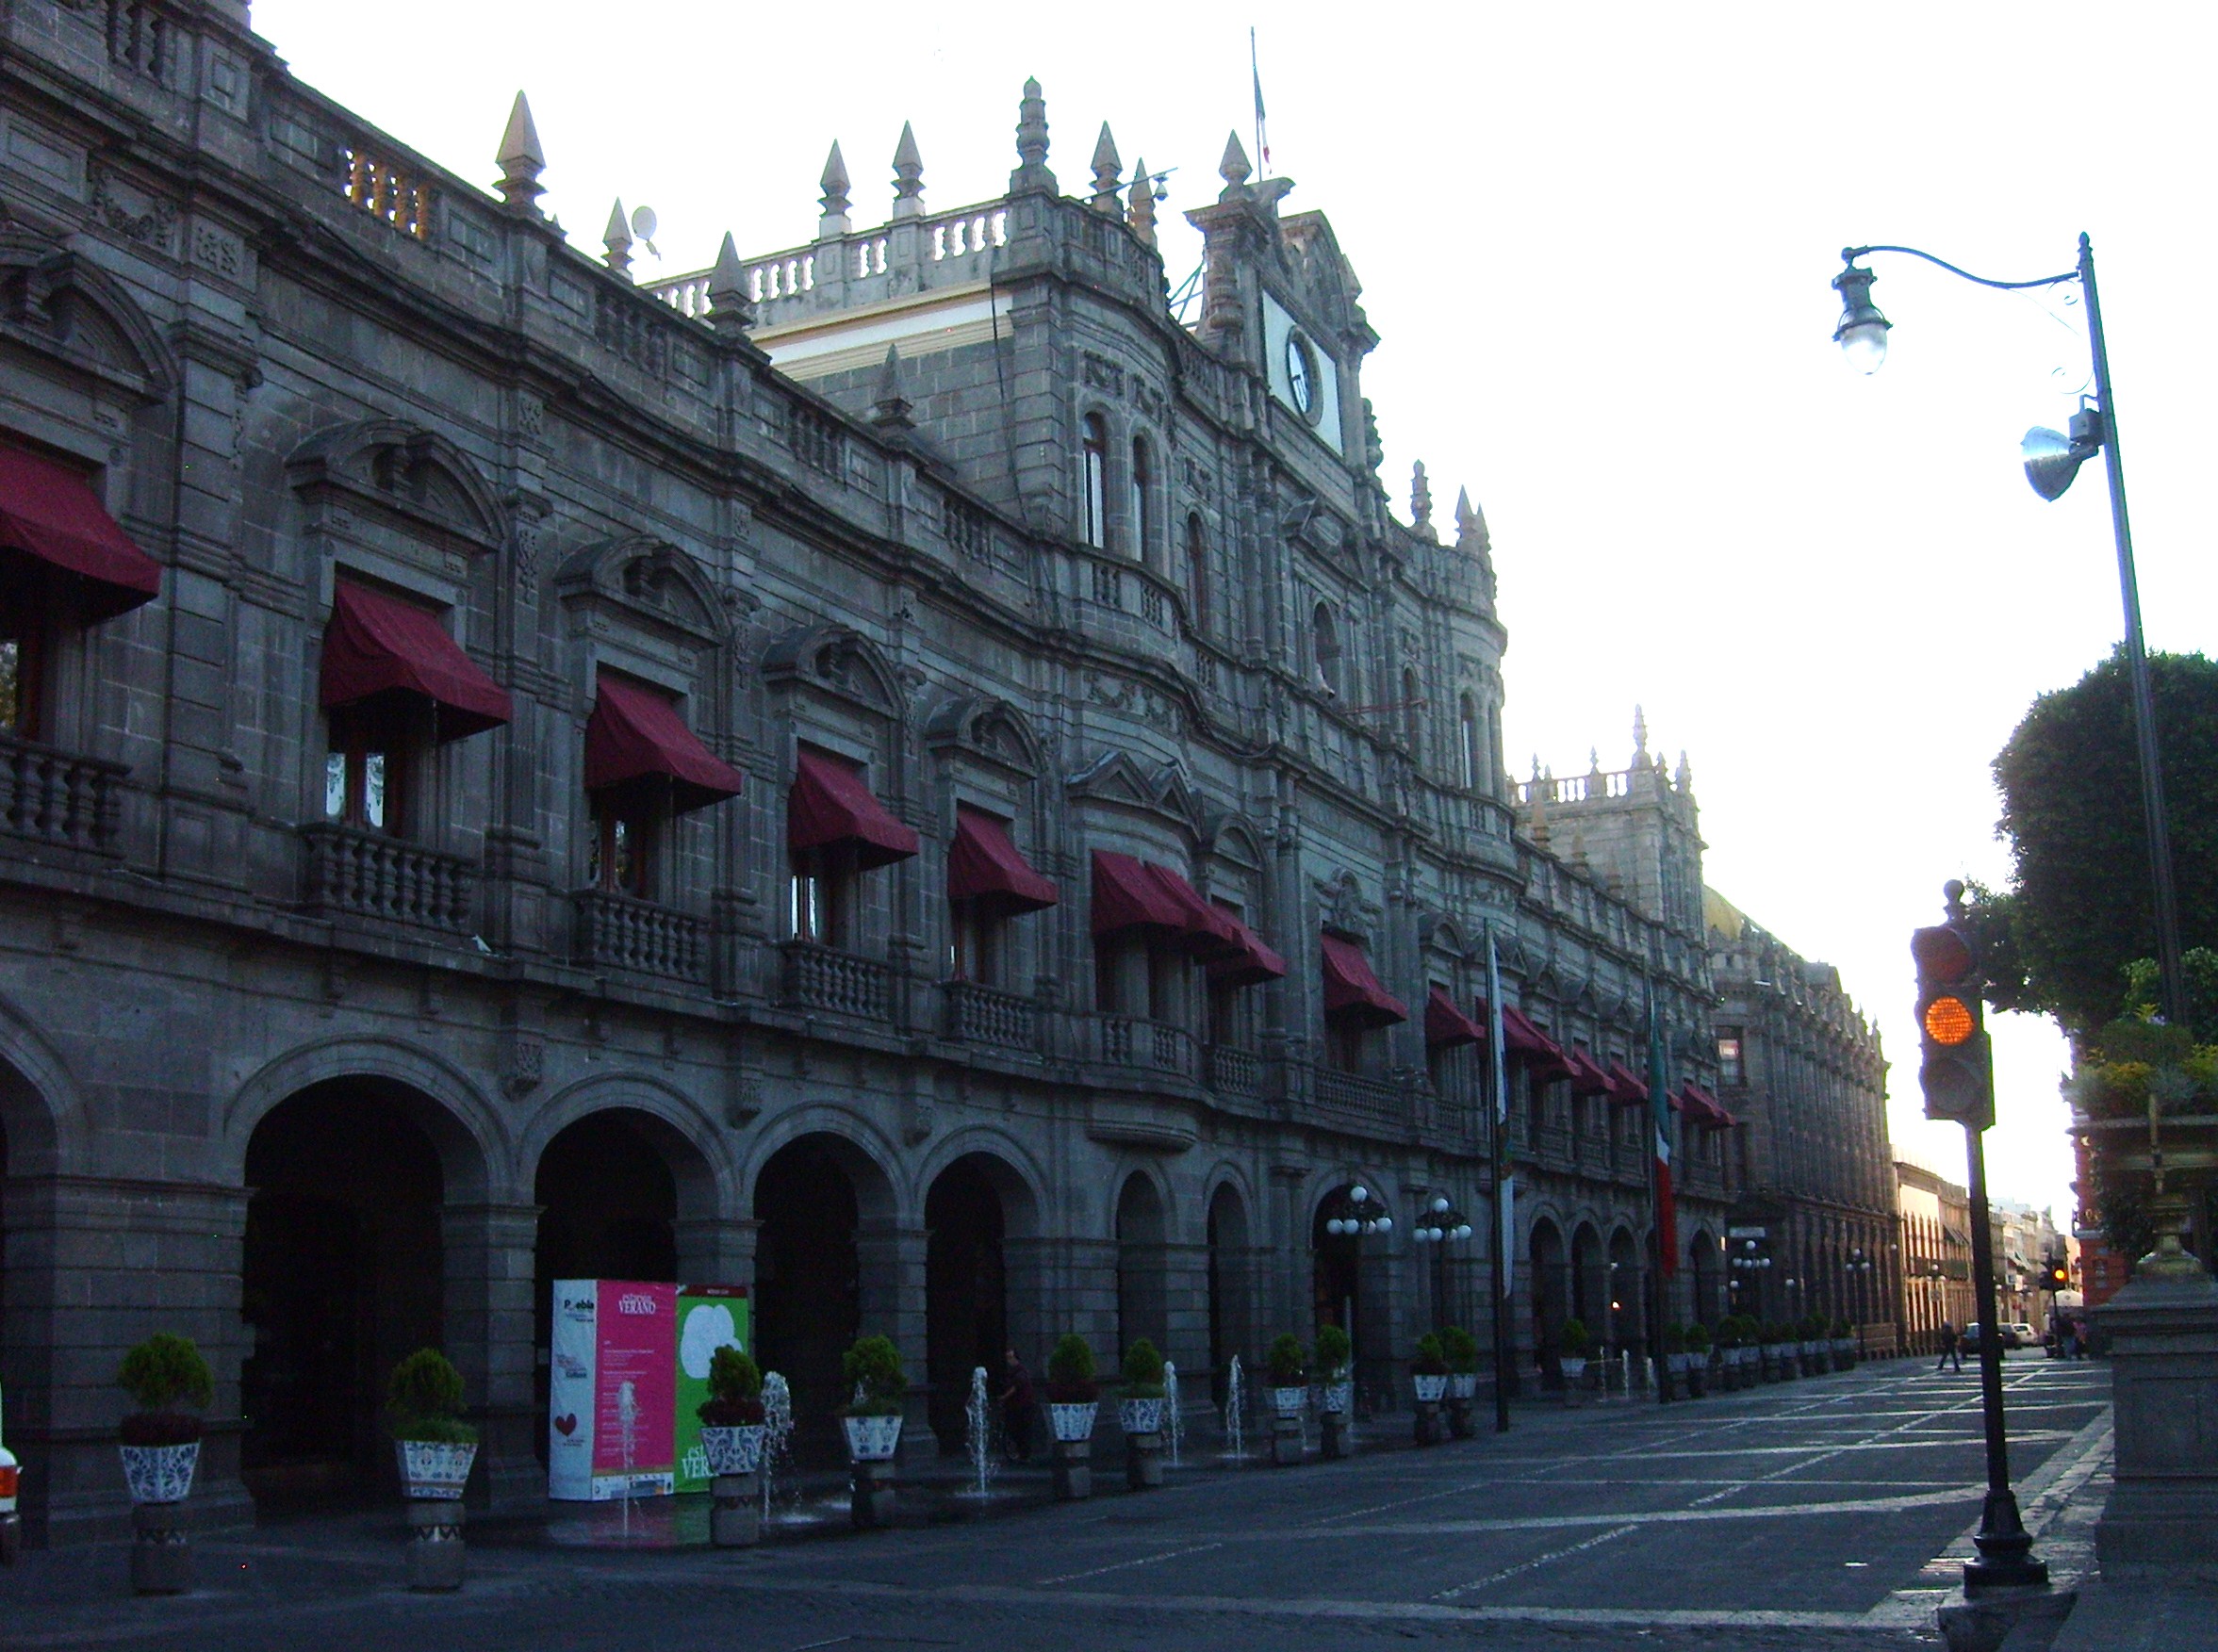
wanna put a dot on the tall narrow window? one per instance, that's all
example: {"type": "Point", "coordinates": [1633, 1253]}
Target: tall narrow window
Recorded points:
{"type": "Point", "coordinates": [1412, 724]}
{"type": "Point", "coordinates": [1468, 728]}
{"type": "Point", "coordinates": [1324, 647]}
{"type": "Point", "coordinates": [1143, 545]}
{"type": "Point", "coordinates": [619, 859]}
{"type": "Point", "coordinates": [364, 769]}
{"type": "Point", "coordinates": [1197, 572]}
{"type": "Point", "coordinates": [1729, 1070]}
{"type": "Point", "coordinates": [22, 658]}
{"type": "Point", "coordinates": [1094, 452]}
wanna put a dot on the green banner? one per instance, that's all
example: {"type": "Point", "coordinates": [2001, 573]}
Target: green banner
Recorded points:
{"type": "Point", "coordinates": [710, 1317]}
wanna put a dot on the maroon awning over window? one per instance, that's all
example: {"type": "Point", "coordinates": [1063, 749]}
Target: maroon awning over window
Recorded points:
{"type": "Point", "coordinates": [635, 734]}
{"type": "Point", "coordinates": [1623, 1086]}
{"type": "Point", "coordinates": [1130, 894]}
{"type": "Point", "coordinates": [1445, 1025]}
{"type": "Point", "coordinates": [1586, 1078]}
{"type": "Point", "coordinates": [1352, 992]}
{"type": "Point", "coordinates": [1704, 1108]}
{"type": "Point", "coordinates": [830, 806]}
{"type": "Point", "coordinates": [49, 513]}
{"type": "Point", "coordinates": [1542, 1055]}
{"type": "Point", "coordinates": [377, 645]}
{"type": "Point", "coordinates": [983, 865]}
{"type": "Point", "coordinates": [1256, 964]}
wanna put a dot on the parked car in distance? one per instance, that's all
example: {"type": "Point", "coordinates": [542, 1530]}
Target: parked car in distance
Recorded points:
{"type": "Point", "coordinates": [2020, 1336]}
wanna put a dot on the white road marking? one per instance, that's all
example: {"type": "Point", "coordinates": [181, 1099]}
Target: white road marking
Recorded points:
{"type": "Point", "coordinates": [1534, 1564]}
{"type": "Point", "coordinates": [1128, 1566]}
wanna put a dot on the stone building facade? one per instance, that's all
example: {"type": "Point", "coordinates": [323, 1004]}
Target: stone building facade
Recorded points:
{"type": "Point", "coordinates": [1800, 1067]}
{"type": "Point", "coordinates": [1936, 1255]}
{"type": "Point", "coordinates": [895, 772]}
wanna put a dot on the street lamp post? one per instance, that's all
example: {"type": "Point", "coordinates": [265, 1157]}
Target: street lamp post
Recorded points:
{"type": "Point", "coordinates": [2051, 461]}
{"type": "Point", "coordinates": [1440, 1226]}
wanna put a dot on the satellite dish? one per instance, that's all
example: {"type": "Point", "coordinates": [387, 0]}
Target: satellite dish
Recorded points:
{"type": "Point", "coordinates": [643, 224]}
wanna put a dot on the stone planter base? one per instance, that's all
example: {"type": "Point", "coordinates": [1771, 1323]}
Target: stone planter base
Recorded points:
{"type": "Point", "coordinates": [436, 1552]}
{"type": "Point", "coordinates": [1459, 1425]}
{"type": "Point", "coordinates": [1427, 1430]}
{"type": "Point", "coordinates": [1332, 1437]}
{"type": "Point", "coordinates": [736, 1510]}
{"type": "Point", "coordinates": [1143, 1461]}
{"type": "Point", "coordinates": [1073, 1469]}
{"type": "Point", "coordinates": [161, 1553]}
{"type": "Point", "coordinates": [1698, 1382]}
{"type": "Point", "coordinates": [1574, 1381]}
{"type": "Point", "coordinates": [1285, 1441]}
{"type": "Point", "coordinates": [11, 1538]}
{"type": "Point", "coordinates": [870, 1495]}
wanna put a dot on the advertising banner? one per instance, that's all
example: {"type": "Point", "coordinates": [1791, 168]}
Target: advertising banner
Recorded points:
{"type": "Point", "coordinates": [628, 1368]}
{"type": "Point", "coordinates": [710, 1317]}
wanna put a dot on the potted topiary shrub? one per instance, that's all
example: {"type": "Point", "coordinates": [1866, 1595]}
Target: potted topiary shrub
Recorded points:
{"type": "Point", "coordinates": [169, 1382]}
{"type": "Point", "coordinates": [1428, 1379]}
{"type": "Point", "coordinates": [1141, 1413]}
{"type": "Point", "coordinates": [1288, 1368]}
{"type": "Point", "coordinates": [1072, 1399]}
{"type": "Point", "coordinates": [872, 1420]}
{"type": "Point", "coordinates": [1336, 1390]}
{"type": "Point", "coordinates": [1461, 1351]}
{"type": "Point", "coordinates": [732, 1422]}
{"type": "Point", "coordinates": [435, 1449]}
{"type": "Point", "coordinates": [1698, 1360]}
{"type": "Point", "coordinates": [1577, 1342]}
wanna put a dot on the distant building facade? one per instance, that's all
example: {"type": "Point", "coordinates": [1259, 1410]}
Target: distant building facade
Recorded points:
{"type": "Point", "coordinates": [509, 775]}
{"type": "Point", "coordinates": [1936, 1254]}
{"type": "Point", "coordinates": [1801, 1070]}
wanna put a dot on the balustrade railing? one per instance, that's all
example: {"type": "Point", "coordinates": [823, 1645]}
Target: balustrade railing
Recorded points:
{"type": "Point", "coordinates": [1125, 1040]}
{"type": "Point", "coordinates": [1234, 1072]}
{"type": "Point", "coordinates": [987, 1015]}
{"type": "Point", "coordinates": [371, 874]}
{"type": "Point", "coordinates": [824, 977]}
{"type": "Point", "coordinates": [1354, 1096]}
{"type": "Point", "coordinates": [56, 798]}
{"type": "Point", "coordinates": [623, 932]}
{"type": "Point", "coordinates": [864, 259]}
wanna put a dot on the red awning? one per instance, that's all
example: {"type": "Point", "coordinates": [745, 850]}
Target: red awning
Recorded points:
{"type": "Point", "coordinates": [1623, 1086]}
{"type": "Point", "coordinates": [831, 805]}
{"type": "Point", "coordinates": [378, 644]}
{"type": "Point", "coordinates": [1256, 964]}
{"type": "Point", "coordinates": [49, 513]}
{"type": "Point", "coordinates": [635, 734]}
{"type": "Point", "coordinates": [1445, 1025]}
{"type": "Point", "coordinates": [1704, 1108]}
{"type": "Point", "coordinates": [1586, 1078]}
{"type": "Point", "coordinates": [983, 865]}
{"type": "Point", "coordinates": [1130, 894]}
{"type": "Point", "coordinates": [1352, 992]}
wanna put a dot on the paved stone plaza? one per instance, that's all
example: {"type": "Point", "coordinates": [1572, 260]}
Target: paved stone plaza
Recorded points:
{"type": "Point", "coordinates": [1819, 1513]}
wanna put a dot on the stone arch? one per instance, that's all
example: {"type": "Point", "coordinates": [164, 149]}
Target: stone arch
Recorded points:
{"type": "Point", "coordinates": [1628, 1289]}
{"type": "Point", "coordinates": [1141, 1229]}
{"type": "Point", "coordinates": [1704, 1267]}
{"type": "Point", "coordinates": [862, 1149]}
{"type": "Point", "coordinates": [1228, 1235]}
{"type": "Point", "coordinates": [42, 1110]}
{"type": "Point", "coordinates": [838, 661]}
{"type": "Point", "coordinates": [989, 729]}
{"type": "Point", "coordinates": [1547, 1263]}
{"type": "Point", "coordinates": [1014, 1174]}
{"type": "Point", "coordinates": [405, 467]}
{"type": "Point", "coordinates": [648, 575]}
{"type": "Point", "coordinates": [463, 1125]}
{"type": "Point", "coordinates": [670, 1120]}
{"type": "Point", "coordinates": [1590, 1276]}
{"type": "Point", "coordinates": [70, 306]}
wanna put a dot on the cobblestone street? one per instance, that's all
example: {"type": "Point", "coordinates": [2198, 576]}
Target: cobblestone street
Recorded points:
{"type": "Point", "coordinates": [1818, 1514]}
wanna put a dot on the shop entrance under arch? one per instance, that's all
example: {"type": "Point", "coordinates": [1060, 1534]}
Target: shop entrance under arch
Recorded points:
{"type": "Point", "coordinates": [967, 1291]}
{"type": "Point", "coordinates": [808, 1284]}
{"type": "Point", "coordinates": [342, 1277]}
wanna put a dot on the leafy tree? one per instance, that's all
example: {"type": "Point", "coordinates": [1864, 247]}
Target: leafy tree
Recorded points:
{"type": "Point", "coordinates": [2064, 941]}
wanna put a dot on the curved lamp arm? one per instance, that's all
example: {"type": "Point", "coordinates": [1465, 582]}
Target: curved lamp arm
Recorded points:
{"type": "Point", "coordinates": [1849, 256]}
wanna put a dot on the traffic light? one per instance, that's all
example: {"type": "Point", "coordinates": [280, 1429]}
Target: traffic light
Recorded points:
{"type": "Point", "coordinates": [1957, 1074]}
{"type": "Point", "coordinates": [2059, 1274]}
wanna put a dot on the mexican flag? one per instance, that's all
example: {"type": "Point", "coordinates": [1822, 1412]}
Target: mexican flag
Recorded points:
{"type": "Point", "coordinates": [1659, 1103]}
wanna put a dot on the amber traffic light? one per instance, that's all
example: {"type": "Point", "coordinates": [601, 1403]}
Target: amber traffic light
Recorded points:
{"type": "Point", "coordinates": [1958, 1072]}
{"type": "Point", "coordinates": [2059, 1274]}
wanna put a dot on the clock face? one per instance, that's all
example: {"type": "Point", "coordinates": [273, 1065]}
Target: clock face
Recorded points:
{"type": "Point", "coordinates": [1301, 375]}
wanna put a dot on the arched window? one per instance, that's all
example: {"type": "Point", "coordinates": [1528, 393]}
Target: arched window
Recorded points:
{"type": "Point", "coordinates": [1412, 724]}
{"type": "Point", "coordinates": [1197, 571]}
{"type": "Point", "coordinates": [1469, 742]}
{"type": "Point", "coordinates": [1096, 504]}
{"type": "Point", "coordinates": [1143, 538]}
{"type": "Point", "coordinates": [1324, 647]}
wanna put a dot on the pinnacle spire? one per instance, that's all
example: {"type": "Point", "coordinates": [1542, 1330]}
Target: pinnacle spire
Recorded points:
{"type": "Point", "coordinates": [732, 308]}
{"type": "Point", "coordinates": [1639, 735]}
{"type": "Point", "coordinates": [616, 237]}
{"type": "Point", "coordinates": [521, 160]}
{"type": "Point", "coordinates": [1420, 500]}
{"type": "Point", "coordinates": [1107, 166]}
{"type": "Point", "coordinates": [1233, 169]}
{"type": "Point", "coordinates": [1140, 210]}
{"type": "Point", "coordinates": [907, 176]}
{"type": "Point", "coordinates": [1031, 143]}
{"type": "Point", "coordinates": [892, 411]}
{"type": "Point", "coordinates": [834, 200]}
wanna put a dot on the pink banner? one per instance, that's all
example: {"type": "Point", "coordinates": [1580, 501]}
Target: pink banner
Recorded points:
{"type": "Point", "coordinates": [636, 1380]}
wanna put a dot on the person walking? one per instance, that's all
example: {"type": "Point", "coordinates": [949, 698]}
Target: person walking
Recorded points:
{"type": "Point", "coordinates": [1016, 1398]}
{"type": "Point", "coordinates": [1951, 1347]}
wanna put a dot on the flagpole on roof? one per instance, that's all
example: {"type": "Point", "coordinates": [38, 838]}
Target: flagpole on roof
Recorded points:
{"type": "Point", "coordinates": [1255, 76]}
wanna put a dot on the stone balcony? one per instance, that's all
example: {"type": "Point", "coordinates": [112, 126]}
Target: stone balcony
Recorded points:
{"type": "Point", "coordinates": [56, 797]}
{"type": "Point", "coordinates": [622, 932]}
{"type": "Point", "coordinates": [351, 872]}
{"type": "Point", "coordinates": [977, 1014]}
{"type": "Point", "coordinates": [845, 983]}
{"type": "Point", "coordinates": [1234, 1072]}
{"type": "Point", "coordinates": [1154, 1046]}
{"type": "Point", "coordinates": [1359, 1100]}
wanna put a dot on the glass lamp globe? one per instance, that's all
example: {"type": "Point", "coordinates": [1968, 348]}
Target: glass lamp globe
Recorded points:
{"type": "Point", "coordinates": [1463, 1230]}
{"type": "Point", "coordinates": [1359, 1193]}
{"type": "Point", "coordinates": [1864, 342]}
{"type": "Point", "coordinates": [1386, 1224]}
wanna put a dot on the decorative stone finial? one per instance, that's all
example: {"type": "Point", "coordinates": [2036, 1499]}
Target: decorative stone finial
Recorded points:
{"type": "Point", "coordinates": [1031, 143]}
{"type": "Point", "coordinates": [1684, 778]}
{"type": "Point", "coordinates": [1594, 760]}
{"type": "Point", "coordinates": [892, 411]}
{"type": "Point", "coordinates": [1471, 524]}
{"type": "Point", "coordinates": [731, 306]}
{"type": "Point", "coordinates": [617, 239]}
{"type": "Point", "coordinates": [1420, 500]}
{"type": "Point", "coordinates": [1233, 169]}
{"type": "Point", "coordinates": [1639, 736]}
{"type": "Point", "coordinates": [907, 176]}
{"type": "Point", "coordinates": [834, 200]}
{"type": "Point", "coordinates": [1107, 185]}
{"type": "Point", "coordinates": [1141, 213]}
{"type": "Point", "coordinates": [521, 160]}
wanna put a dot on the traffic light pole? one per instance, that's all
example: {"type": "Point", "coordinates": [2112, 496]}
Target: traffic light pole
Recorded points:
{"type": "Point", "coordinates": [2006, 1551]}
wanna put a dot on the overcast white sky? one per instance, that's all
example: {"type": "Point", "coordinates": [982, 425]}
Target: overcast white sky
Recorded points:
{"type": "Point", "coordinates": [1595, 242]}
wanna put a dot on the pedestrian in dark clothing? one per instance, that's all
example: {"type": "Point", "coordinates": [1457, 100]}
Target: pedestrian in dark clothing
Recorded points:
{"type": "Point", "coordinates": [1016, 1398]}
{"type": "Point", "coordinates": [1951, 1347]}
